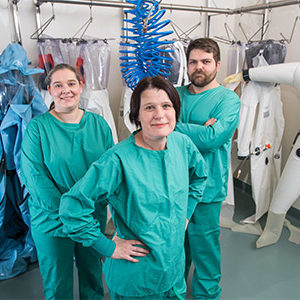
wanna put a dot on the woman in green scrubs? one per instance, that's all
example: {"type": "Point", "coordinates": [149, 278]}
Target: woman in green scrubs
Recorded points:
{"type": "Point", "coordinates": [152, 182]}
{"type": "Point", "coordinates": [58, 148]}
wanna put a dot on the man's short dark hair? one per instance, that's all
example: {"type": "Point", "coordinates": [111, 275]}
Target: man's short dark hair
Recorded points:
{"type": "Point", "coordinates": [205, 44]}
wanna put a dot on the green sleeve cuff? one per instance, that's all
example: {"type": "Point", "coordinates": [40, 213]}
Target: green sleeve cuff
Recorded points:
{"type": "Point", "coordinates": [104, 246]}
{"type": "Point", "coordinates": [191, 207]}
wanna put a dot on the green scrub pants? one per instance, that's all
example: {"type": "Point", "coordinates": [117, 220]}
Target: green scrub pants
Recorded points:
{"type": "Point", "coordinates": [55, 256]}
{"type": "Point", "coordinates": [202, 246]}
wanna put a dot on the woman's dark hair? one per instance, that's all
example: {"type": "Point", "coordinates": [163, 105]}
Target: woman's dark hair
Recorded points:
{"type": "Point", "coordinates": [157, 82]}
{"type": "Point", "coordinates": [58, 68]}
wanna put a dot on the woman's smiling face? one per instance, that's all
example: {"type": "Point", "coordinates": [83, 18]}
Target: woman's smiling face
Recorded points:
{"type": "Point", "coordinates": [157, 114]}
{"type": "Point", "coordinates": [65, 90]}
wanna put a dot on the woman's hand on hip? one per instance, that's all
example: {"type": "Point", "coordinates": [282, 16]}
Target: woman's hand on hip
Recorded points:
{"type": "Point", "coordinates": [125, 249]}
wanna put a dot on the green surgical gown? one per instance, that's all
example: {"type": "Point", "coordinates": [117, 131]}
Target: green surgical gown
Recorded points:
{"type": "Point", "coordinates": [214, 142]}
{"type": "Point", "coordinates": [55, 155]}
{"type": "Point", "coordinates": [151, 193]}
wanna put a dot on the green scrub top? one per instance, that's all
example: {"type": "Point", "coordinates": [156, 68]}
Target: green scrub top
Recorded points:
{"type": "Point", "coordinates": [55, 155]}
{"type": "Point", "coordinates": [151, 193]}
{"type": "Point", "coordinates": [214, 142]}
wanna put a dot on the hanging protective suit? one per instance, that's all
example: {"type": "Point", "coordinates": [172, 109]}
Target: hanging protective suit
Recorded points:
{"type": "Point", "coordinates": [96, 61]}
{"type": "Point", "coordinates": [261, 124]}
{"type": "Point", "coordinates": [288, 73]}
{"type": "Point", "coordinates": [49, 55]}
{"type": "Point", "coordinates": [20, 101]}
{"type": "Point", "coordinates": [125, 127]}
{"type": "Point", "coordinates": [69, 52]}
{"type": "Point", "coordinates": [178, 72]}
{"type": "Point", "coordinates": [235, 61]}
{"type": "Point", "coordinates": [97, 101]}
{"type": "Point", "coordinates": [274, 52]}
{"type": "Point", "coordinates": [286, 193]}
{"type": "Point", "coordinates": [235, 58]}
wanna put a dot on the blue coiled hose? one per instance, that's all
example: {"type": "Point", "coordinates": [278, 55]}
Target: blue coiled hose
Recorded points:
{"type": "Point", "coordinates": [142, 55]}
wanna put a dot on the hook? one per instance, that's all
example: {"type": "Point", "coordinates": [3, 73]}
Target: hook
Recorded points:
{"type": "Point", "coordinates": [43, 27]}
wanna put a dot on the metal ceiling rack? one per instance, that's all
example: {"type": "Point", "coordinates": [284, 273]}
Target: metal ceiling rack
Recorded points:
{"type": "Point", "coordinates": [247, 9]}
{"type": "Point", "coordinates": [170, 6]}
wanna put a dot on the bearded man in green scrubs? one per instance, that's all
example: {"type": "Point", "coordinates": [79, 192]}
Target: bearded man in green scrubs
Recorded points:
{"type": "Point", "coordinates": [209, 116]}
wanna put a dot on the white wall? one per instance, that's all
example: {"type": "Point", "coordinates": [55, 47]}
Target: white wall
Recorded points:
{"type": "Point", "coordinates": [108, 21]}
{"type": "Point", "coordinates": [5, 23]}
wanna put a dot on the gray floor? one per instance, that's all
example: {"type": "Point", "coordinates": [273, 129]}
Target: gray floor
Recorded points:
{"type": "Point", "coordinates": [248, 273]}
{"type": "Point", "coordinates": [271, 272]}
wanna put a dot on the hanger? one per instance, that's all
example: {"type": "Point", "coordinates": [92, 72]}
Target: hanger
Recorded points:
{"type": "Point", "coordinates": [297, 19]}
{"type": "Point", "coordinates": [264, 29]}
{"type": "Point", "coordinates": [86, 25]}
{"type": "Point", "coordinates": [228, 30]}
{"type": "Point", "coordinates": [223, 40]}
{"type": "Point", "coordinates": [37, 34]}
{"type": "Point", "coordinates": [260, 28]}
{"type": "Point", "coordinates": [185, 35]}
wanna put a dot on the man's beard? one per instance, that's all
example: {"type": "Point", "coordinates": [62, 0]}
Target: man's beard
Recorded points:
{"type": "Point", "coordinates": [201, 82]}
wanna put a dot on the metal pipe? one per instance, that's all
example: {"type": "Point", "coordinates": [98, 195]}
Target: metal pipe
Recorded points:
{"type": "Point", "coordinates": [37, 16]}
{"type": "Point", "coordinates": [180, 7]}
{"type": "Point", "coordinates": [264, 6]}
{"type": "Point", "coordinates": [15, 16]}
{"type": "Point", "coordinates": [124, 24]}
{"type": "Point", "coordinates": [128, 5]}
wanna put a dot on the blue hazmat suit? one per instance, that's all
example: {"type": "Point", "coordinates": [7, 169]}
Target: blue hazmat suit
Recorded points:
{"type": "Point", "coordinates": [20, 100]}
